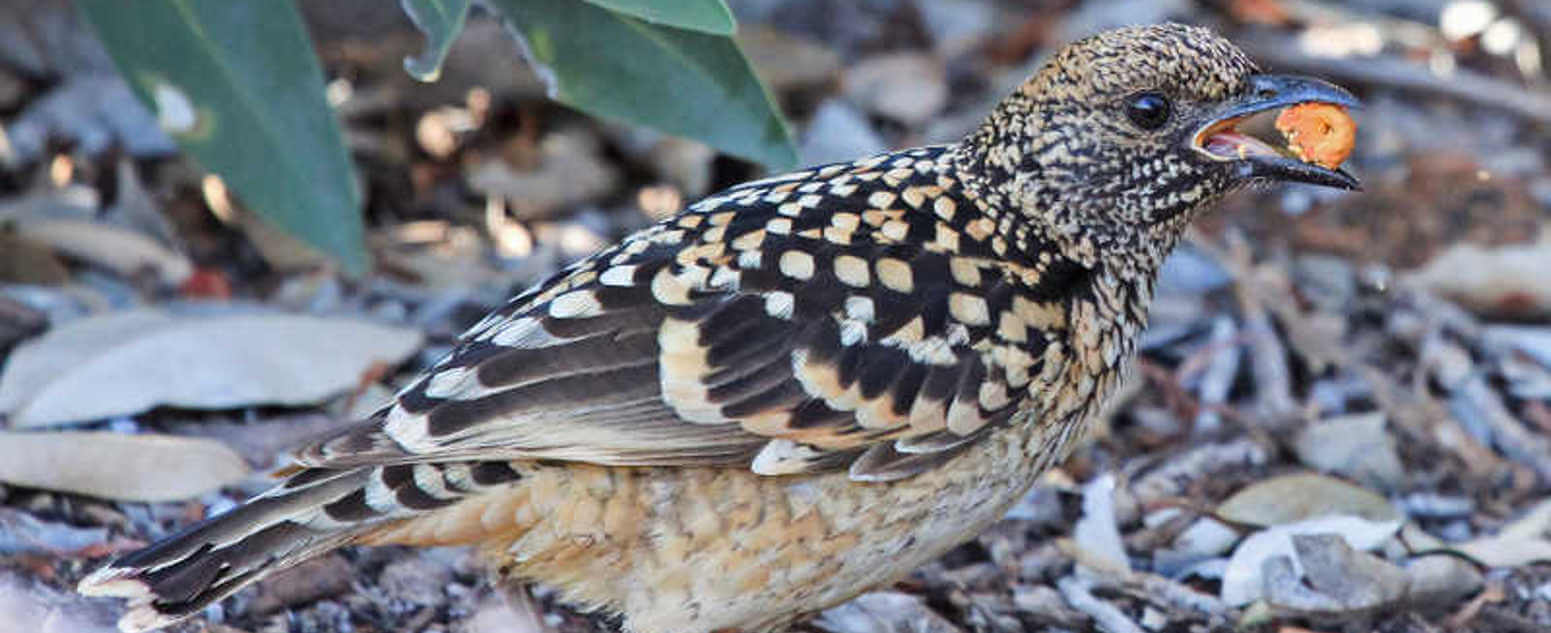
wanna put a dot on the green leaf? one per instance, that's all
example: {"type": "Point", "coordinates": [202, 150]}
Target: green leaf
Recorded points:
{"type": "Point", "coordinates": [441, 21]}
{"type": "Point", "coordinates": [708, 16]}
{"type": "Point", "coordinates": [679, 81]}
{"type": "Point", "coordinates": [237, 85]}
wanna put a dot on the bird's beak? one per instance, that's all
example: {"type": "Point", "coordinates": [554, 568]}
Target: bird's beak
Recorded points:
{"type": "Point", "coordinates": [1218, 140]}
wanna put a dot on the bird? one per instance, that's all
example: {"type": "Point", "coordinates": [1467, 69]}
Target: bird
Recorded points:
{"type": "Point", "coordinates": [797, 389]}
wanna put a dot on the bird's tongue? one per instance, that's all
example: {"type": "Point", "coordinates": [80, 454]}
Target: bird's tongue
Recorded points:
{"type": "Point", "coordinates": [1233, 143]}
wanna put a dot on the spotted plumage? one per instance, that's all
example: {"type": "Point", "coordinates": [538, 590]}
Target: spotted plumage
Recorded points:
{"type": "Point", "coordinates": [796, 389]}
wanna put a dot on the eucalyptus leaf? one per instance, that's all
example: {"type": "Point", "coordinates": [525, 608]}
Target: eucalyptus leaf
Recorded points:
{"type": "Point", "coordinates": [708, 16]}
{"type": "Point", "coordinates": [675, 80]}
{"type": "Point", "coordinates": [442, 22]}
{"type": "Point", "coordinates": [236, 84]}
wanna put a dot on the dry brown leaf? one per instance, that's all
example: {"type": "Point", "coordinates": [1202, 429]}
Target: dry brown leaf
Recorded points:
{"type": "Point", "coordinates": [127, 362]}
{"type": "Point", "coordinates": [1301, 496]}
{"type": "Point", "coordinates": [117, 466]}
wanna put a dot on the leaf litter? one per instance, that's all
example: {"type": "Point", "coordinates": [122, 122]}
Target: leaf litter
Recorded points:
{"type": "Point", "coordinates": [1339, 419]}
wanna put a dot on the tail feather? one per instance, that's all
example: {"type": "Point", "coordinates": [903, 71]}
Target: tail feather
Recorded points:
{"type": "Point", "coordinates": [208, 561]}
{"type": "Point", "coordinates": [314, 511]}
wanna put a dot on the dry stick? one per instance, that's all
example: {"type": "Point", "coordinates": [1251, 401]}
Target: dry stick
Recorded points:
{"type": "Point", "coordinates": [1159, 591]}
{"type": "Point", "coordinates": [1109, 618]}
{"type": "Point", "coordinates": [1268, 357]}
{"type": "Point", "coordinates": [1512, 436]}
{"type": "Point", "coordinates": [1280, 52]}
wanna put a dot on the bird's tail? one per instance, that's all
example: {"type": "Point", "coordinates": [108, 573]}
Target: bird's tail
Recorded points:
{"type": "Point", "coordinates": [312, 512]}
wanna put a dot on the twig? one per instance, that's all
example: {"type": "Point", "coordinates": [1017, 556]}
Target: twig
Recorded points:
{"type": "Point", "coordinates": [1159, 591]}
{"type": "Point", "coordinates": [1108, 618]}
{"type": "Point", "coordinates": [1474, 397]}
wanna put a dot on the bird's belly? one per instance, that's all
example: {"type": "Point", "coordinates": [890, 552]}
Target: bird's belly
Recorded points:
{"type": "Point", "coordinates": [690, 550]}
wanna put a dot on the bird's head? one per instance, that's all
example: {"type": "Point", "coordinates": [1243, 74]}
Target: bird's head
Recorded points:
{"type": "Point", "coordinates": [1124, 137]}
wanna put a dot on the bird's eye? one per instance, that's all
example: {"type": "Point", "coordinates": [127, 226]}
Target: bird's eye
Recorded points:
{"type": "Point", "coordinates": [1148, 110]}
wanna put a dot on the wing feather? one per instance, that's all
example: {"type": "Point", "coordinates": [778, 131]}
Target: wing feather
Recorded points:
{"type": "Point", "coordinates": [784, 331]}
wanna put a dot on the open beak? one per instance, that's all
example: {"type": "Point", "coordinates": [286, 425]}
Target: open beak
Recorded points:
{"type": "Point", "coordinates": [1219, 140]}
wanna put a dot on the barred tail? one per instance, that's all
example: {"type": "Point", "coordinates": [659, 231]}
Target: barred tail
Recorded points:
{"type": "Point", "coordinates": [313, 512]}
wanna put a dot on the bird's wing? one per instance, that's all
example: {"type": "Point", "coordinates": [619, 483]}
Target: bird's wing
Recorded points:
{"type": "Point", "coordinates": [798, 325]}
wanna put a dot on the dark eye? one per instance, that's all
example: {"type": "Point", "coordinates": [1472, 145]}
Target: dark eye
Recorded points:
{"type": "Point", "coordinates": [1148, 110]}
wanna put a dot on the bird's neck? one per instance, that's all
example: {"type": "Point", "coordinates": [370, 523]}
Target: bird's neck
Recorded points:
{"type": "Point", "coordinates": [997, 170]}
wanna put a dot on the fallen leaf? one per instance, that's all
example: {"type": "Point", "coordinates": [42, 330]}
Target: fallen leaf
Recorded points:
{"type": "Point", "coordinates": [1524, 541]}
{"type": "Point", "coordinates": [118, 466]}
{"type": "Point", "coordinates": [1300, 496]}
{"type": "Point", "coordinates": [128, 362]}
{"type": "Point", "coordinates": [121, 250]}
